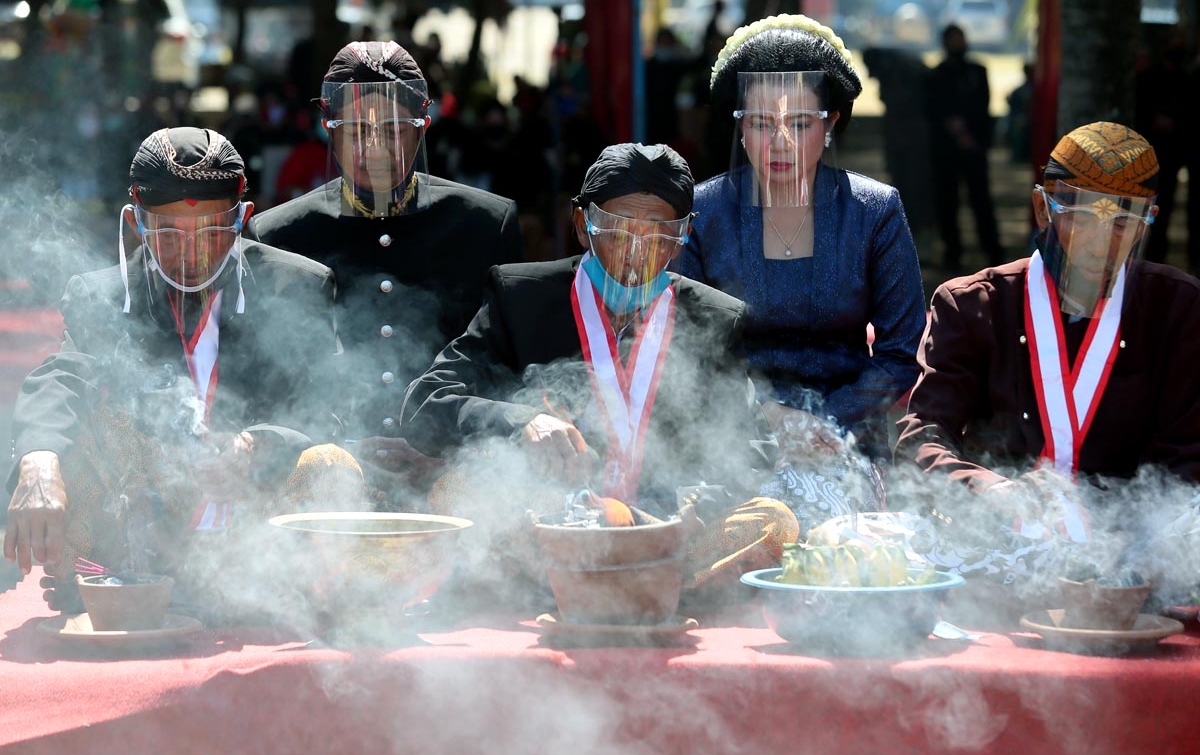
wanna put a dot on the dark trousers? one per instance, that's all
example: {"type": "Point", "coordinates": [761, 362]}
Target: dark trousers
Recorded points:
{"type": "Point", "coordinates": [951, 167]}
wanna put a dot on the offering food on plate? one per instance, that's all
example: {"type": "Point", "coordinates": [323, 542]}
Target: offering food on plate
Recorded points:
{"type": "Point", "coordinates": [587, 509]}
{"type": "Point", "coordinates": [836, 557]}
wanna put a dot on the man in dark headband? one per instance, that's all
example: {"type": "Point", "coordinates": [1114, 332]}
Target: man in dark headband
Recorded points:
{"type": "Point", "coordinates": [607, 373]}
{"type": "Point", "coordinates": [410, 251]}
{"type": "Point", "coordinates": [187, 384]}
{"type": "Point", "coordinates": [1075, 363]}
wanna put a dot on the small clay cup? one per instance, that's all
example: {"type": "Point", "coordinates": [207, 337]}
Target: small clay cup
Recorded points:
{"type": "Point", "coordinates": [133, 606]}
{"type": "Point", "coordinates": [1093, 605]}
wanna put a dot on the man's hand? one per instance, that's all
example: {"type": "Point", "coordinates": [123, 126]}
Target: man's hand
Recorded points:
{"type": "Point", "coordinates": [37, 512]}
{"type": "Point", "coordinates": [387, 462]}
{"type": "Point", "coordinates": [225, 474]}
{"type": "Point", "coordinates": [802, 435]}
{"type": "Point", "coordinates": [557, 449]}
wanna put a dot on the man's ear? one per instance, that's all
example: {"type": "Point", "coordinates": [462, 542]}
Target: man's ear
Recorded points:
{"type": "Point", "coordinates": [581, 233]}
{"type": "Point", "coordinates": [127, 214]}
{"type": "Point", "coordinates": [1041, 213]}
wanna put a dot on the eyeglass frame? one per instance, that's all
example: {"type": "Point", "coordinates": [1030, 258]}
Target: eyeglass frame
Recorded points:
{"type": "Point", "coordinates": [594, 230]}
{"type": "Point", "coordinates": [820, 115]}
{"type": "Point", "coordinates": [1060, 209]}
{"type": "Point", "coordinates": [156, 233]}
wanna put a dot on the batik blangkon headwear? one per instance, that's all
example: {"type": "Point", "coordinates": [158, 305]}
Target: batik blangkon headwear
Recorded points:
{"type": "Point", "coordinates": [186, 163]}
{"type": "Point", "coordinates": [632, 168]}
{"type": "Point", "coordinates": [1105, 157]}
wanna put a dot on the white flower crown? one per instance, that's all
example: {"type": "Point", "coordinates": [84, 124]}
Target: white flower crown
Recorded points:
{"type": "Point", "coordinates": [782, 21]}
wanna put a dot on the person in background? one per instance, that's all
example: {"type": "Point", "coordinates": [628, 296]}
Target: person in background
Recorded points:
{"type": "Point", "coordinates": [1020, 118]}
{"type": "Point", "coordinates": [174, 408]}
{"type": "Point", "coordinates": [606, 373]}
{"type": "Point", "coordinates": [1165, 95]}
{"type": "Point", "coordinates": [410, 251]}
{"type": "Point", "coordinates": [817, 253]}
{"type": "Point", "coordinates": [957, 103]}
{"type": "Point", "coordinates": [903, 77]}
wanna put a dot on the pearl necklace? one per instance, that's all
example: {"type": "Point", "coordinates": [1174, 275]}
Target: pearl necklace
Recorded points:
{"type": "Point", "coordinates": [787, 245]}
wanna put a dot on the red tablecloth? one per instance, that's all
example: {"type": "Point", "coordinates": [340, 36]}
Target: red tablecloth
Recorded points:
{"type": "Point", "coordinates": [495, 688]}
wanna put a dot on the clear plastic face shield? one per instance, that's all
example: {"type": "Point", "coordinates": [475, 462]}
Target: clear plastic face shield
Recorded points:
{"type": "Point", "coordinates": [782, 130]}
{"type": "Point", "coordinates": [633, 251]}
{"type": "Point", "coordinates": [377, 143]}
{"type": "Point", "coordinates": [1091, 237]}
{"type": "Point", "coordinates": [190, 252]}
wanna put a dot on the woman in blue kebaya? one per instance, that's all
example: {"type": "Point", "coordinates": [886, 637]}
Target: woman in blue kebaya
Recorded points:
{"type": "Point", "coordinates": [817, 253]}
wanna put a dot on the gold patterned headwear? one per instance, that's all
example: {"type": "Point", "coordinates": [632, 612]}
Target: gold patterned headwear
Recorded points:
{"type": "Point", "coordinates": [1107, 158]}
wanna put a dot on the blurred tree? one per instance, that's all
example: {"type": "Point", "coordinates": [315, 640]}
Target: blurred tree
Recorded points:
{"type": "Point", "coordinates": [1098, 63]}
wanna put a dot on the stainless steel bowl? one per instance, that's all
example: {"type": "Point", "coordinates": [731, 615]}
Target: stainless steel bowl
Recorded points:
{"type": "Point", "coordinates": [851, 620]}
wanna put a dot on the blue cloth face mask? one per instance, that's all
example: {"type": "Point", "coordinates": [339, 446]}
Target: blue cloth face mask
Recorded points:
{"type": "Point", "coordinates": [621, 299]}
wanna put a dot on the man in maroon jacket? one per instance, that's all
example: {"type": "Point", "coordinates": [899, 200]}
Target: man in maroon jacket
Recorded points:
{"type": "Point", "coordinates": [1079, 359]}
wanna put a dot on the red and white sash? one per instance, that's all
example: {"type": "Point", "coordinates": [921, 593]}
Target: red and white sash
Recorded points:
{"type": "Point", "coordinates": [201, 353]}
{"type": "Point", "coordinates": [625, 392]}
{"type": "Point", "coordinates": [1068, 395]}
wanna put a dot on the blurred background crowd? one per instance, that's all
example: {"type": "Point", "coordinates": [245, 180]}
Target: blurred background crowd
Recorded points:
{"type": "Point", "coordinates": [516, 108]}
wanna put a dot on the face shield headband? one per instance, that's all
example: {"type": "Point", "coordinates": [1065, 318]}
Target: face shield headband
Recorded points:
{"type": "Point", "coordinates": [629, 256]}
{"type": "Point", "coordinates": [377, 142]}
{"type": "Point", "coordinates": [1089, 238]}
{"type": "Point", "coordinates": [189, 253]}
{"type": "Point", "coordinates": [782, 132]}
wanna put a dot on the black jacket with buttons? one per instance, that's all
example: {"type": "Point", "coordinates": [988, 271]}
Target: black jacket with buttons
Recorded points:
{"type": "Point", "coordinates": [406, 284]}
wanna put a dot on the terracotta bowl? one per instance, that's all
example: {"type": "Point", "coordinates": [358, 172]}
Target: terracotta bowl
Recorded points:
{"type": "Point", "coordinates": [356, 558]}
{"type": "Point", "coordinates": [1093, 605]}
{"type": "Point", "coordinates": [851, 620]}
{"type": "Point", "coordinates": [641, 593]}
{"type": "Point", "coordinates": [138, 603]}
{"type": "Point", "coordinates": [594, 547]}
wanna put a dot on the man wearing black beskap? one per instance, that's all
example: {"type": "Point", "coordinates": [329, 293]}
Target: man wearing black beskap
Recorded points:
{"type": "Point", "coordinates": [410, 251]}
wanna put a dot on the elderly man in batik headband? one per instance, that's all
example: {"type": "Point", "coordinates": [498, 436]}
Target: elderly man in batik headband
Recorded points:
{"type": "Point", "coordinates": [175, 401]}
{"type": "Point", "coordinates": [1075, 362]}
{"type": "Point", "coordinates": [605, 373]}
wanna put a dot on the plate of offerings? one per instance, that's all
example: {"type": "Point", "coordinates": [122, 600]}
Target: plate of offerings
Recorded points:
{"type": "Point", "coordinates": [844, 594]}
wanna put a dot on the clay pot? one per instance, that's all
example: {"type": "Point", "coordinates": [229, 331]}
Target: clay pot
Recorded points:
{"type": "Point", "coordinates": [1092, 605]}
{"type": "Point", "coordinates": [138, 604]}
{"type": "Point", "coordinates": [594, 547]}
{"type": "Point", "coordinates": [642, 593]}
